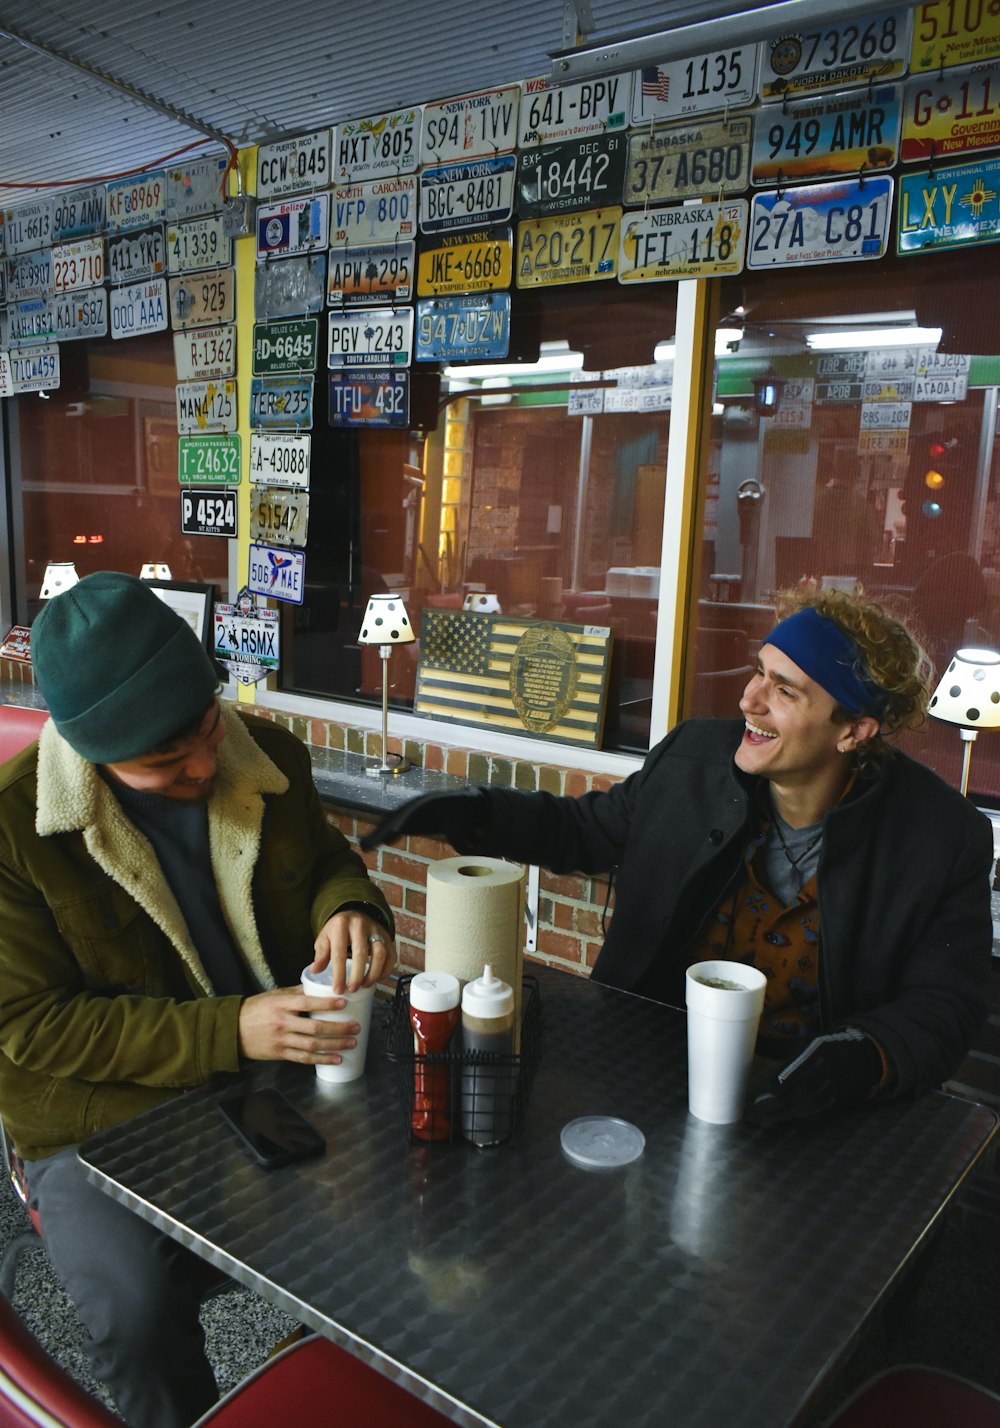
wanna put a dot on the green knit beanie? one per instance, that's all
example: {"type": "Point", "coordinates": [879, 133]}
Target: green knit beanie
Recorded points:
{"type": "Point", "coordinates": [120, 671]}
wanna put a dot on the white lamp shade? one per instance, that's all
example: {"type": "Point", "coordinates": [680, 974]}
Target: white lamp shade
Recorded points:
{"type": "Point", "coordinates": [60, 575]}
{"type": "Point", "coordinates": [386, 622]}
{"type": "Point", "coordinates": [155, 570]}
{"type": "Point", "coordinates": [969, 691]}
{"type": "Point", "coordinates": [482, 604]}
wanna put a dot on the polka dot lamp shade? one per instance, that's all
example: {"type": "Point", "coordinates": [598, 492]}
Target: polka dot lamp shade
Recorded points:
{"type": "Point", "coordinates": [386, 622]}
{"type": "Point", "coordinates": [482, 604]}
{"type": "Point", "coordinates": [59, 575]}
{"type": "Point", "coordinates": [969, 691]}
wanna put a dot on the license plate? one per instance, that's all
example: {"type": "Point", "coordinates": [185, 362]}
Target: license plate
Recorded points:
{"type": "Point", "coordinates": [211, 460]}
{"type": "Point", "coordinates": [3, 283]}
{"type": "Point", "coordinates": [888, 389]}
{"type": "Point", "coordinates": [198, 244]}
{"type": "Point", "coordinates": [582, 173]}
{"type": "Point", "coordinates": [277, 574]}
{"type": "Point", "coordinates": [79, 213]}
{"type": "Point", "coordinates": [78, 265]}
{"type": "Point", "coordinates": [953, 113]}
{"type": "Point", "coordinates": [204, 353]}
{"type": "Point", "coordinates": [381, 273]}
{"type": "Point", "coordinates": [886, 416]}
{"type": "Point", "coordinates": [195, 188]}
{"type": "Point", "coordinates": [249, 642]}
{"type": "Point", "coordinates": [883, 443]}
{"type": "Point", "coordinates": [378, 146]}
{"type": "Point", "coordinates": [467, 195]}
{"type": "Point", "coordinates": [376, 337]}
{"type": "Point", "coordinates": [204, 407]}
{"type": "Point", "coordinates": [836, 53]}
{"type": "Point", "coordinates": [452, 263]}
{"type": "Point", "coordinates": [699, 240]}
{"type": "Point", "coordinates": [206, 512]}
{"type": "Point", "coordinates": [822, 223]}
{"type": "Point", "coordinates": [79, 315]}
{"type": "Point", "coordinates": [719, 79]}
{"type": "Point", "coordinates": [940, 389]}
{"type": "Point", "coordinates": [462, 328]}
{"type": "Point", "coordinates": [292, 286]}
{"type": "Point", "coordinates": [471, 126]}
{"type": "Point", "coordinates": [136, 256]}
{"type": "Point", "coordinates": [280, 458]}
{"type": "Point", "coordinates": [704, 159]}
{"type": "Point", "coordinates": [841, 364]}
{"type": "Point", "coordinates": [139, 308]}
{"type": "Point", "coordinates": [279, 517]}
{"type": "Point", "coordinates": [948, 33]}
{"type": "Point", "coordinates": [931, 363]}
{"type": "Point", "coordinates": [951, 208]}
{"type": "Point", "coordinates": [290, 346]}
{"type": "Point", "coordinates": [380, 212]}
{"type": "Point", "coordinates": [571, 111]}
{"type": "Point", "coordinates": [203, 298]}
{"type": "Point", "coordinates": [28, 226]}
{"type": "Point", "coordinates": [838, 391]}
{"type": "Point", "coordinates": [136, 202]}
{"type": "Point", "coordinates": [281, 402]}
{"type": "Point", "coordinates": [827, 136]}
{"type": "Point", "coordinates": [36, 370]}
{"type": "Point", "coordinates": [294, 165]}
{"type": "Point", "coordinates": [369, 398]}
{"type": "Point", "coordinates": [6, 375]}
{"type": "Point", "coordinates": [30, 276]}
{"type": "Point", "coordinates": [294, 226]}
{"type": "Point", "coordinates": [25, 324]}
{"type": "Point", "coordinates": [573, 248]}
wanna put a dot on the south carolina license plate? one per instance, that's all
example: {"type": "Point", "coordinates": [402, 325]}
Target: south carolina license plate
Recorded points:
{"type": "Point", "coordinates": [463, 328]}
{"type": "Point", "coordinates": [378, 146]}
{"type": "Point", "coordinates": [379, 274]}
{"type": "Point", "coordinates": [376, 337]}
{"type": "Point", "coordinates": [571, 248]}
{"type": "Point", "coordinates": [822, 223]}
{"type": "Point", "coordinates": [382, 211]}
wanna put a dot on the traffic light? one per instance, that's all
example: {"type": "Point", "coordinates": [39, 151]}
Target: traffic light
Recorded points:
{"type": "Point", "coordinates": [939, 466]}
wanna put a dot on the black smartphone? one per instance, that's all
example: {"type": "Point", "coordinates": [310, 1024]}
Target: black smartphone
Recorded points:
{"type": "Point", "coordinates": [270, 1127]}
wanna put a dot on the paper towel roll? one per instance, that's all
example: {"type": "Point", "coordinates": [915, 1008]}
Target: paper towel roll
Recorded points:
{"type": "Point", "coordinates": [475, 914]}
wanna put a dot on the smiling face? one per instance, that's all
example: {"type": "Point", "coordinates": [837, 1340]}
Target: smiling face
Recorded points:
{"type": "Point", "coordinates": [184, 771]}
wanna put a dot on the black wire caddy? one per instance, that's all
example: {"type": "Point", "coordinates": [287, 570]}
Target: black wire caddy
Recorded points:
{"type": "Point", "coordinates": [457, 1095]}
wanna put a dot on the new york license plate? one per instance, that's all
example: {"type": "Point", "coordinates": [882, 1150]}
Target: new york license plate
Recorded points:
{"type": "Point", "coordinates": [832, 53]}
{"type": "Point", "coordinates": [294, 165]}
{"type": "Point", "coordinates": [698, 240]}
{"type": "Point", "coordinates": [209, 460]}
{"type": "Point", "coordinates": [204, 407]}
{"type": "Point", "coordinates": [471, 126]}
{"type": "Point", "coordinates": [133, 257]}
{"type": "Point", "coordinates": [204, 353]}
{"type": "Point", "coordinates": [706, 158]}
{"type": "Point", "coordinates": [139, 308]}
{"type": "Point", "coordinates": [79, 213]}
{"type": "Point", "coordinates": [80, 315]}
{"type": "Point", "coordinates": [78, 265]}
{"type": "Point", "coordinates": [383, 211]}
{"type": "Point", "coordinates": [138, 201]}
{"type": "Point", "coordinates": [570, 111]}
{"type": "Point", "coordinates": [580, 173]}
{"type": "Point", "coordinates": [198, 244]}
{"type": "Point", "coordinates": [571, 248]}
{"type": "Point", "coordinates": [288, 346]}
{"type": "Point", "coordinates": [379, 274]}
{"type": "Point", "coordinates": [467, 195]}
{"type": "Point", "coordinates": [375, 337]}
{"type": "Point", "coordinates": [821, 223]}
{"type": "Point", "coordinates": [463, 328]}
{"type": "Point", "coordinates": [362, 397]}
{"type": "Point", "coordinates": [35, 370]}
{"type": "Point", "coordinates": [281, 402]}
{"type": "Point", "coordinates": [716, 80]}
{"type": "Point", "coordinates": [203, 298]}
{"type": "Point", "coordinates": [452, 263]}
{"type": "Point", "coordinates": [378, 146]}
{"type": "Point", "coordinates": [828, 135]}
{"type": "Point", "coordinates": [280, 458]}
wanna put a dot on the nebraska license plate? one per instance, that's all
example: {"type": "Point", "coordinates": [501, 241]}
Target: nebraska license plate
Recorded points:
{"type": "Point", "coordinates": [133, 257]}
{"type": "Point", "coordinates": [280, 458]}
{"type": "Point", "coordinates": [207, 512]}
{"type": "Point", "coordinates": [452, 263]}
{"type": "Point", "coordinates": [374, 337]}
{"type": "Point", "coordinates": [277, 574]}
{"type": "Point", "coordinates": [139, 308]}
{"type": "Point", "coordinates": [467, 195]}
{"type": "Point", "coordinates": [209, 460]}
{"type": "Point", "coordinates": [821, 223]}
{"type": "Point", "coordinates": [569, 248]}
{"type": "Point", "coordinates": [379, 274]}
{"type": "Point", "coordinates": [293, 226]}
{"type": "Point", "coordinates": [579, 173]}
{"type": "Point", "coordinates": [471, 126]}
{"type": "Point", "coordinates": [363, 397]}
{"type": "Point", "coordinates": [198, 244]}
{"type": "Point", "coordinates": [138, 201]}
{"type": "Point", "coordinates": [281, 402]}
{"type": "Point", "coordinates": [701, 158]}
{"type": "Point", "coordinates": [378, 146]}
{"type": "Point", "coordinates": [460, 329]}
{"type": "Point", "coordinates": [203, 298]}
{"type": "Point", "coordinates": [697, 240]}
{"type": "Point", "coordinates": [383, 211]}
{"type": "Point", "coordinates": [79, 315]}
{"type": "Point", "coordinates": [78, 265]}
{"type": "Point", "coordinates": [204, 407]}
{"type": "Point", "coordinates": [204, 353]}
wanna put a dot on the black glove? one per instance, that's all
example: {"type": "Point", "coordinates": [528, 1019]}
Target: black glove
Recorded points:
{"type": "Point", "coordinates": [833, 1073]}
{"type": "Point", "coordinates": [455, 816]}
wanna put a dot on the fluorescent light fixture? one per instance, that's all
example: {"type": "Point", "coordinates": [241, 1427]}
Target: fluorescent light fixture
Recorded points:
{"type": "Point", "coordinates": [724, 337]}
{"type": "Point", "coordinates": [552, 357]}
{"type": "Point", "coordinates": [874, 337]}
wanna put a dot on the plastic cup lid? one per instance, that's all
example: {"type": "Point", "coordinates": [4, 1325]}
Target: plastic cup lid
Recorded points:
{"type": "Point", "coordinates": [600, 1142]}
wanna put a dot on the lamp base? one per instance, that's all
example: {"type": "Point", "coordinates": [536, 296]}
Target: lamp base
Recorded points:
{"type": "Point", "coordinates": [392, 765]}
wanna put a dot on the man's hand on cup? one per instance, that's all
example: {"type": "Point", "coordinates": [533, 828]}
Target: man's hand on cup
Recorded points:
{"type": "Point", "coordinates": [355, 935]}
{"type": "Point", "coordinates": [277, 1026]}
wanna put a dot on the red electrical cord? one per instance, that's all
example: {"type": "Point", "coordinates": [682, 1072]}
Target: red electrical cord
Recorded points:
{"type": "Point", "coordinates": [126, 173]}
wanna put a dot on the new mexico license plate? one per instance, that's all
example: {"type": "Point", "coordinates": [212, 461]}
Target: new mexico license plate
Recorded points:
{"type": "Point", "coordinates": [822, 223]}
{"type": "Point", "coordinates": [698, 240]}
{"type": "Point", "coordinates": [379, 274]}
{"type": "Point", "coordinates": [203, 298]}
{"type": "Point", "coordinates": [375, 337]}
{"type": "Point", "coordinates": [952, 113]}
{"type": "Point", "coordinates": [382, 211]}
{"type": "Point", "coordinates": [949, 208]}
{"type": "Point", "coordinates": [946, 33]}
{"type": "Point", "coordinates": [453, 263]}
{"type": "Point", "coordinates": [583, 173]}
{"type": "Point", "coordinates": [203, 353]}
{"type": "Point", "coordinates": [570, 248]}
{"type": "Point", "coordinates": [467, 195]}
{"type": "Point", "coordinates": [281, 402]}
{"type": "Point", "coordinates": [460, 329]}
{"type": "Point", "coordinates": [280, 458]}
{"type": "Point", "coordinates": [363, 397]}
{"type": "Point", "coordinates": [204, 407]}
{"type": "Point", "coordinates": [139, 308]}
{"type": "Point", "coordinates": [706, 158]}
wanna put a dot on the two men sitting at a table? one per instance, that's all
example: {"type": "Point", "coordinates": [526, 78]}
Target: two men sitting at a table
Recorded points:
{"type": "Point", "coordinates": [795, 838]}
{"type": "Point", "coordinates": [166, 871]}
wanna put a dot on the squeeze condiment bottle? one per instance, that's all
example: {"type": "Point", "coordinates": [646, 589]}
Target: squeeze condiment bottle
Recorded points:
{"type": "Point", "coordinates": [488, 1073]}
{"type": "Point", "coordinates": [434, 1015]}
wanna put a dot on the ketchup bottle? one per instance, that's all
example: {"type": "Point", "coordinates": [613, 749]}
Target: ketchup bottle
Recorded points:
{"type": "Point", "coordinates": [435, 1012]}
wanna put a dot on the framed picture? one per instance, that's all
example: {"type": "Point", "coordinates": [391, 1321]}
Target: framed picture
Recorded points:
{"type": "Point", "coordinates": [192, 602]}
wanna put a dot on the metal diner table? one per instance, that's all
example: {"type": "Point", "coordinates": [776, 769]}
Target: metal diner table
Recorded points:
{"type": "Point", "coordinates": [716, 1279]}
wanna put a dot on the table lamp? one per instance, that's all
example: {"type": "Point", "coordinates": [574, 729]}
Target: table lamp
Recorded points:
{"type": "Point", "coordinates": [482, 604]}
{"type": "Point", "coordinates": [969, 695]}
{"type": "Point", "coordinates": [386, 623]}
{"type": "Point", "coordinates": [59, 575]}
{"type": "Point", "coordinates": [155, 570]}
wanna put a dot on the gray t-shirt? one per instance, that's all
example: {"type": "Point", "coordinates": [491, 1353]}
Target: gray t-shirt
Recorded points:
{"type": "Point", "coordinates": [789, 866]}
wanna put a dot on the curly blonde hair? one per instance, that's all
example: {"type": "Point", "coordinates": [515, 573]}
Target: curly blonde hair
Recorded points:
{"type": "Point", "coordinates": [892, 655]}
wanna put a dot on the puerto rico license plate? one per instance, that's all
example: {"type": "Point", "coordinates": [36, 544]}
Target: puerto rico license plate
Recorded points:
{"type": "Point", "coordinates": [378, 146]}
{"type": "Point", "coordinates": [209, 460]}
{"type": "Point", "coordinates": [207, 512]}
{"type": "Point", "coordinates": [204, 353]}
{"type": "Point", "coordinates": [281, 402]}
{"type": "Point", "coordinates": [292, 286]}
{"type": "Point", "coordinates": [203, 298]}
{"type": "Point", "coordinates": [833, 54]}
{"type": "Point", "coordinates": [822, 223]}
{"type": "Point", "coordinates": [204, 407]}
{"type": "Point", "coordinates": [452, 263]}
{"type": "Point", "coordinates": [571, 111]}
{"type": "Point", "coordinates": [471, 126]}
{"type": "Point", "coordinates": [28, 226]}
{"type": "Point", "coordinates": [460, 329]}
{"type": "Point", "coordinates": [30, 276]}
{"type": "Point", "coordinates": [382, 211]}
{"type": "Point", "coordinates": [827, 136]}
{"type": "Point", "coordinates": [138, 201]}
{"type": "Point", "coordinates": [78, 265]}
{"type": "Point", "coordinates": [280, 458]}
{"type": "Point", "coordinates": [363, 397]}
{"type": "Point", "coordinates": [79, 213]}
{"type": "Point", "coordinates": [139, 308]}
{"type": "Point", "coordinates": [947, 33]}
{"type": "Point", "coordinates": [467, 195]}
{"type": "Point", "coordinates": [134, 257]}
{"type": "Point", "coordinates": [25, 324]}
{"type": "Point", "coordinates": [279, 516]}
{"type": "Point", "coordinates": [718, 79]}
{"type": "Point", "coordinates": [375, 337]}
{"type": "Point", "coordinates": [569, 248]}
{"type": "Point", "coordinates": [79, 315]}
{"type": "Point", "coordinates": [293, 226]}
{"type": "Point", "coordinates": [195, 188]}
{"type": "Point", "coordinates": [294, 165]}
{"type": "Point", "coordinates": [950, 208]}
{"type": "Point", "coordinates": [705, 158]}
{"type": "Point", "coordinates": [698, 240]}
{"type": "Point", "coordinates": [951, 113]}
{"type": "Point", "coordinates": [198, 244]}
{"type": "Point", "coordinates": [582, 173]}
{"type": "Point", "coordinates": [36, 370]}
{"type": "Point", "coordinates": [288, 346]}
{"type": "Point", "coordinates": [382, 274]}
{"type": "Point", "coordinates": [277, 574]}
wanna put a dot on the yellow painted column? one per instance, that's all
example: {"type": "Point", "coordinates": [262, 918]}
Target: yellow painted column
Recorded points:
{"type": "Point", "coordinates": [245, 259]}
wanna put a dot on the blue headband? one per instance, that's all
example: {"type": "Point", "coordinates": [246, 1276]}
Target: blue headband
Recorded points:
{"type": "Point", "coordinates": [829, 656]}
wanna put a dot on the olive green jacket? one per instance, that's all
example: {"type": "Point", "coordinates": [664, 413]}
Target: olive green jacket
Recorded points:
{"type": "Point", "coordinates": [105, 1007]}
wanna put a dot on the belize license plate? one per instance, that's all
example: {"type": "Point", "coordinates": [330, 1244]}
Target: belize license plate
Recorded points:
{"type": "Point", "coordinates": [703, 158]}
{"type": "Point", "coordinates": [947, 32]}
{"type": "Point", "coordinates": [25, 324]}
{"type": "Point", "coordinates": [79, 213]}
{"type": "Point", "coordinates": [294, 165]}
{"type": "Point", "coordinates": [364, 397]}
{"type": "Point", "coordinates": [951, 208]}
{"type": "Point", "coordinates": [28, 226]}
{"type": "Point", "coordinates": [827, 136]}
{"type": "Point", "coordinates": [718, 79]}
{"type": "Point", "coordinates": [697, 240]}
{"type": "Point", "coordinates": [281, 402]}
{"type": "Point", "coordinates": [288, 346]}
{"type": "Point", "coordinates": [79, 315]}
{"type": "Point", "coordinates": [381, 273]}
{"type": "Point", "coordinates": [277, 574]}
{"type": "Point", "coordinates": [293, 226]}
{"type": "Point", "coordinates": [203, 298]}
{"type": "Point", "coordinates": [198, 244]}
{"type": "Point", "coordinates": [292, 286]}
{"type": "Point", "coordinates": [571, 248]}
{"type": "Point", "coordinates": [36, 370]}
{"type": "Point", "coordinates": [134, 257]}
{"type": "Point", "coordinates": [571, 111]}
{"type": "Point", "coordinates": [280, 458]}
{"type": "Point", "coordinates": [204, 407]}
{"type": "Point", "coordinates": [452, 263]}
{"type": "Point", "coordinates": [467, 195]}
{"type": "Point", "coordinates": [459, 329]}
{"type": "Point", "coordinates": [821, 223]}
{"type": "Point", "coordinates": [951, 113]}
{"type": "Point", "coordinates": [378, 146]}
{"type": "Point", "coordinates": [279, 516]}
{"type": "Point", "coordinates": [471, 126]}
{"type": "Point", "coordinates": [379, 212]}
{"type": "Point", "coordinates": [580, 173]}
{"type": "Point", "coordinates": [209, 460]}
{"type": "Point", "coordinates": [195, 189]}
{"type": "Point", "coordinates": [139, 308]}
{"type": "Point", "coordinates": [138, 201]}
{"type": "Point", "coordinates": [78, 265]}
{"type": "Point", "coordinates": [375, 337]}
{"type": "Point", "coordinates": [205, 353]}
{"type": "Point", "coordinates": [30, 276]}
{"type": "Point", "coordinates": [832, 54]}
{"type": "Point", "coordinates": [208, 512]}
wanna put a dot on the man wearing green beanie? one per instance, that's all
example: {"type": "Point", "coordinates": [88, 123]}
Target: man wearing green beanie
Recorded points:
{"type": "Point", "coordinates": [166, 871]}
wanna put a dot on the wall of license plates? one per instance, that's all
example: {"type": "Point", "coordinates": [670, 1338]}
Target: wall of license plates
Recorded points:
{"type": "Point", "coordinates": [405, 232]}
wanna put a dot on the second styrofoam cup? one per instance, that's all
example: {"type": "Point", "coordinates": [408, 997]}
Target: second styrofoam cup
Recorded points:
{"type": "Point", "coordinates": [358, 1009]}
{"type": "Point", "coordinates": [724, 1003]}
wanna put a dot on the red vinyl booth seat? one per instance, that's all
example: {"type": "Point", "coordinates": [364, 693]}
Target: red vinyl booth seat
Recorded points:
{"type": "Point", "coordinates": [19, 727]}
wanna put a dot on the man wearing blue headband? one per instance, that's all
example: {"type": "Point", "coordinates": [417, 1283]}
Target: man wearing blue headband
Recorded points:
{"type": "Point", "coordinates": [796, 839]}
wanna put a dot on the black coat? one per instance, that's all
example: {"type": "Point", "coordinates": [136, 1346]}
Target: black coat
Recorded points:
{"type": "Point", "coordinates": [903, 886]}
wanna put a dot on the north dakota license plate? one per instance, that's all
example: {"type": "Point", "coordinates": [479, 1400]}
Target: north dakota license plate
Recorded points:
{"type": "Point", "coordinates": [832, 53]}
{"type": "Point", "coordinates": [828, 135]}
